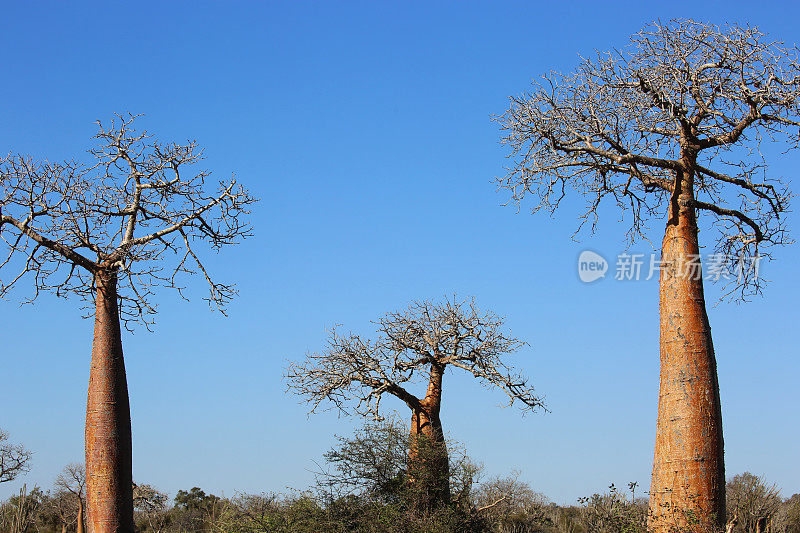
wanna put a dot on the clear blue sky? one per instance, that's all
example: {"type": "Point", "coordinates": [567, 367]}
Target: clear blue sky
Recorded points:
{"type": "Point", "coordinates": [366, 130]}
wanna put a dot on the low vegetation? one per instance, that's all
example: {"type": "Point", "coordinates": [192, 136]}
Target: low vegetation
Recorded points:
{"type": "Point", "coordinates": [361, 487]}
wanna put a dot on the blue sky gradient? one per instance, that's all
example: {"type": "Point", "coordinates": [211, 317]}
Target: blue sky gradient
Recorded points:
{"type": "Point", "coordinates": [365, 128]}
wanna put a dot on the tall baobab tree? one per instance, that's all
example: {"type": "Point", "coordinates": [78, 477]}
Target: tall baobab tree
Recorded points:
{"type": "Point", "coordinates": [671, 126]}
{"type": "Point", "coordinates": [110, 231]}
{"type": "Point", "coordinates": [414, 347]}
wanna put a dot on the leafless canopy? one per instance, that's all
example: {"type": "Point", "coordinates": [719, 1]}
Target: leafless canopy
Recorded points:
{"type": "Point", "coordinates": [137, 206]}
{"type": "Point", "coordinates": [444, 334]}
{"type": "Point", "coordinates": [751, 499]}
{"type": "Point", "coordinates": [64, 505]}
{"type": "Point", "coordinates": [151, 505]}
{"type": "Point", "coordinates": [68, 499]}
{"type": "Point", "coordinates": [682, 96]}
{"type": "Point", "coordinates": [14, 459]}
{"type": "Point", "coordinates": [72, 479]}
{"type": "Point", "coordinates": [148, 499]}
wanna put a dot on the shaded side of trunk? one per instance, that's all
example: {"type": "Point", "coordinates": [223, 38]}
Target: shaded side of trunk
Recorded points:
{"type": "Point", "coordinates": [429, 466]}
{"type": "Point", "coordinates": [109, 480]}
{"type": "Point", "coordinates": [688, 484]}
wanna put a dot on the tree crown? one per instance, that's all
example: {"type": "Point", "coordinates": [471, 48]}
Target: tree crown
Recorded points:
{"type": "Point", "coordinates": [684, 98]}
{"type": "Point", "coordinates": [137, 208]}
{"type": "Point", "coordinates": [428, 336]}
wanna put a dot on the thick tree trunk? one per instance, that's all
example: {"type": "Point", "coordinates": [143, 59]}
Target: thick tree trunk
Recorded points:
{"type": "Point", "coordinates": [109, 480]}
{"type": "Point", "coordinates": [429, 466]}
{"type": "Point", "coordinates": [688, 485]}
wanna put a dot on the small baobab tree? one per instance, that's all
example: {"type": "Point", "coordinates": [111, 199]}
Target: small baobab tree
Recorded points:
{"type": "Point", "coordinates": [414, 346]}
{"type": "Point", "coordinates": [111, 231]}
{"type": "Point", "coordinates": [71, 485]}
{"type": "Point", "coordinates": [672, 127]}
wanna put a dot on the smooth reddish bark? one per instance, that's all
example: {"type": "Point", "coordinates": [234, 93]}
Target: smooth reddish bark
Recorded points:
{"type": "Point", "coordinates": [688, 484]}
{"type": "Point", "coordinates": [429, 467]}
{"type": "Point", "coordinates": [79, 521]}
{"type": "Point", "coordinates": [109, 479]}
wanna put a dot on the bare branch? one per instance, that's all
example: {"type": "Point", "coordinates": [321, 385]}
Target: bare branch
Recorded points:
{"type": "Point", "coordinates": [137, 206]}
{"type": "Point", "coordinates": [408, 345]}
{"type": "Point", "coordinates": [625, 124]}
{"type": "Point", "coordinates": [14, 459]}
{"type": "Point", "coordinates": [72, 479]}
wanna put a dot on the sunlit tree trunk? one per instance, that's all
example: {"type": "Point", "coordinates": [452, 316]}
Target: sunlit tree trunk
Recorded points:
{"type": "Point", "coordinates": [109, 480]}
{"type": "Point", "coordinates": [688, 484]}
{"type": "Point", "coordinates": [79, 522]}
{"type": "Point", "coordinates": [429, 467]}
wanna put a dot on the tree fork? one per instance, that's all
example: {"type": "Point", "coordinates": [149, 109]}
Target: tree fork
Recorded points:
{"type": "Point", "coordinates": [109, 476]}
{"type": "Point", "coordinates": [688, 483]}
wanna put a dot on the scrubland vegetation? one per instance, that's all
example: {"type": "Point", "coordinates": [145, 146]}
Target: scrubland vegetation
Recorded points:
{"type": "Point", "coordinates": [669, 130]}
{"type": "Point", "coordinates": [361, 486]}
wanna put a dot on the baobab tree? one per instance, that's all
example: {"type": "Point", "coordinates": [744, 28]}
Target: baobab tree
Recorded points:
{"type": "Point", "coordinates": [15, 459]}
{"type": "Point", "coordinates": [671, 126]}
{"type": "Point", "coordinates": [110, 231]}
{"type": "Point", "coordinates": [72, 482]}
{"type": "Point", "coordinates": [415, 346]}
